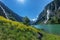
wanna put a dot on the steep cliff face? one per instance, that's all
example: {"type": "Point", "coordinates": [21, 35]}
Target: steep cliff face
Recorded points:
{"type": "Point", "coordinates": [9, 14]}
{"type": "Point", "coordinates": [51, 13]}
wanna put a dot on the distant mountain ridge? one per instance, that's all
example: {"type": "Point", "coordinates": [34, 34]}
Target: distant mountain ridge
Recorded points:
{"type": "Point", "coordinates": [9, 14]}
{"type": "Point", "coordinates": [51, 14]}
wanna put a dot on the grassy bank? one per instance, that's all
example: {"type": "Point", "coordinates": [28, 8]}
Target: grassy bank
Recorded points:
{"type": "Point", "coordinates": [12, 30]}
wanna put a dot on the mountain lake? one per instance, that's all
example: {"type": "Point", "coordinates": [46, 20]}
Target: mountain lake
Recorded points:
{"type": "Point", "coordinates": [51, 28]}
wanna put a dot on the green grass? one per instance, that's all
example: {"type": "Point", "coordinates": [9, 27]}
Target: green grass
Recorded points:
{"type": "Point", "coordinates": [47, 36]}
{"type": "Point", "coordinates": [12, 30]}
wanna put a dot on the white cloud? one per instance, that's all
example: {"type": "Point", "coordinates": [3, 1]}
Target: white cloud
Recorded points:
{"type": "Point", "coordinates": [37, 16]}
{"type": "Point", "coordinates": [33, 19]}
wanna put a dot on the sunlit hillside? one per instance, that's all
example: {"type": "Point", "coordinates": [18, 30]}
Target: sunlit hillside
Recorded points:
{"type": "Point", "coordinates": [12, 30]}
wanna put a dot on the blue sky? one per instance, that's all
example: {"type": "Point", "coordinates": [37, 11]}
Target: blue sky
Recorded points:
{"type": "Point", "coordinates": [29, 8]}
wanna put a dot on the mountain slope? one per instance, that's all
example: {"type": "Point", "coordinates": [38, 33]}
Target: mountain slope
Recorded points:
{"type": "Point", "coordinates": [12, 30]}
{"type": "Point", "coordinates": [9, 14]}
{"type": "Point", "coordinates": [51, 13]}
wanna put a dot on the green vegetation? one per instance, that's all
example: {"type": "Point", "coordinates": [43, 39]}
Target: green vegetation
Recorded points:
{"type": "Point", "coordinates": [26, 21]}
{"type": "Point", "coordinates": [12, 30]}
{"type": "Point", "coordinates": [55, 19]}
{"type": "Point", "coordinates": [50, 36]}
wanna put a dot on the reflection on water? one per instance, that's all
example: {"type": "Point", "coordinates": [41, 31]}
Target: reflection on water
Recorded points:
{"type": "Point", "coordinates": [55, 28]}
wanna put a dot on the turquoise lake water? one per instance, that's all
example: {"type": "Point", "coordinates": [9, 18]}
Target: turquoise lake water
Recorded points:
{"type": "Point", "coordinates": [54, 28]}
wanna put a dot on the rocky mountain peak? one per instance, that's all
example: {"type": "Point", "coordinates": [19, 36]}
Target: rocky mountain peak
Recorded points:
{"type": "Point", "coordinates": [51, 13]}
